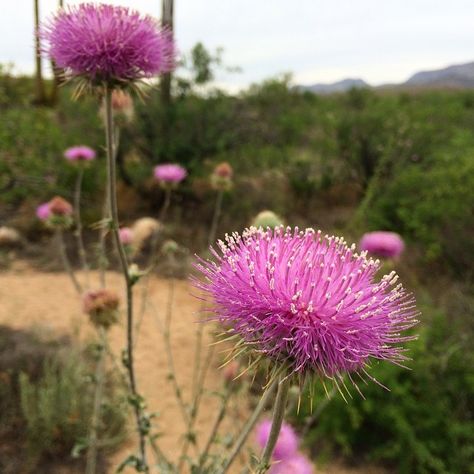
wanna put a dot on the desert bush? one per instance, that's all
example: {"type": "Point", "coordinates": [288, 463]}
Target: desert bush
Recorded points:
{"type": "Point", "coordinates": [58, 407]}
{"type": "Point", "coordinates": [46, 394]}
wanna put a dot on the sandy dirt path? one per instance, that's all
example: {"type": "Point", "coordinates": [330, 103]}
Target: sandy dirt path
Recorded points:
{"type": "Point", "coordinates": [29, 298]}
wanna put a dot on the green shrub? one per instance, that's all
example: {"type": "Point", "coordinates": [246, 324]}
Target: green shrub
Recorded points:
{"type": "Point", "coordinates": [58, 409]}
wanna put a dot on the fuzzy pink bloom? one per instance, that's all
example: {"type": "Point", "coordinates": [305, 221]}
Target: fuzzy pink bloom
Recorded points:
{"type": "Point", "coordinates": [58, 206]}
{"type": "Point", "coordinates": [224, 170]}
{"type": "Point", "coordinates": [382, 244]}
{"type": "Point", "coordinates": [287, 443]}
{"type": "Point", "coordinates": [43, 212]}
{"type": "Point", "coordinates": [126, 235]}
{"type": "Point", "coordinates": [170, 173]}
{"type": "Point", "coordinates": [307, 301]}
{"type": "Point", "coordinates": [80, 153]}
{"type": "Point", "coordinates": [297, 464]}
{"type": "Point", "coordinates": [106, 43]}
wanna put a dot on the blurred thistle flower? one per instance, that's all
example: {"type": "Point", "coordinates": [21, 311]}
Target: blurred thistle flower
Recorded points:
{"type": "Point", "coordinates": [102, 306]}
{"type": "Point", "coordinates": [266, 219]}
{"type": "Point", "coordinates": [56, 213]}
{"type": "Point", "coordinates": [79, 153]}
{"type": "Point", "coordinates": [297, 464]}
{"type": "Point", "coordinates": [308, 303]}
{"type": "Point", "coordinates": [170, 247]}
{"type": "Point", "coordinates": [58, 206]}
{"type": "Point", "coordinates": [170, 174]}
{"type": "Point", "coordinates": [42, 212]}
{"type": "Point", "coordinates": [106, 44]}
{"type": "Point", "coordinates": [221, 177]}
{"type": "Point", "coordinates": [287, 443]}
{"type": "Point", "coordinates": [382, 244]}
{"type": "Point", "coordinates": [126, 235]}
{"type": "Point", "coordinates": [122, 105]}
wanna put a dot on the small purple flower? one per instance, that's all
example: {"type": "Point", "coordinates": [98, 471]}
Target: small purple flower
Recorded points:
{"type": "Point", "coordinates": [382, 244]}
{"type": "Point", "coordinates": [79, 153]}
{"type": "Point", "coordinates": [43, 213]}
{"type": "Point", "coordinates": [106, 43]}
{"type": "Point", "coordinates": [307, 302]}
{"type": "Point", "coordinates": [170, 173]}
{"type": "Point", "coordinates": [297, 464]}
{"type": "Point", "coordinates": [126, 235]}
{"type": "Point", "coordinates": [287, 443]}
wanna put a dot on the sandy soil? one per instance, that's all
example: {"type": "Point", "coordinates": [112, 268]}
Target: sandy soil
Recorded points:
{"type": "Point", "coordinates": [30, 298]}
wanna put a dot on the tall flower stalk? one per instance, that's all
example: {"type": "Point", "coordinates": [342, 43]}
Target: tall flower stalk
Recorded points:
{"type": "Point", "coordinates": [136, 399]}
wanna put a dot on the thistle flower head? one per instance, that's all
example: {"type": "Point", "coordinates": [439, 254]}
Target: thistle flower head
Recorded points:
{"type": "Point", "coordinates": [306, 302]}
{"type": "Point", "coordinates": [101, 306]}
{"type": "Point", "coordinates": [170, 174]}
{"type": "Point", "coordinates": [297, 464]}
{"type": "Point", "coordinates": [42, 211]}
{"type": "Point", "coordinates": [108, 44]}
{"type": "Point", "coordinates": [79, 153]}
{"type": "Point", "coordinates": [266, 219]}
{"type": "Point", "coordinates": [221, 177]}
{"type": "Point", "coordinates": [126, 235]}
{"type": "Point", "coordinates": [287, 443]}
{"type": "Point", "coordinates": [383, 244]}
{"type": "Point", "coordinates": [58, 206]}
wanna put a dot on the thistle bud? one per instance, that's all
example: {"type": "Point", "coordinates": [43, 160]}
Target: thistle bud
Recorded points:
{"type": "Point", "coordinates": [221, 177]}
{"type": "Point", "coordinates": [101, 306]}
{"type": "Point", "coordinates": [267, 219]}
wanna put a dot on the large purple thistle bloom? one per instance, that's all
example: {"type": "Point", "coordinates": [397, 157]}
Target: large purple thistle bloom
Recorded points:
{"type": "Point", "coordinates": [105, 43]}
{"type": "Point", "coordinates": [307, 301]}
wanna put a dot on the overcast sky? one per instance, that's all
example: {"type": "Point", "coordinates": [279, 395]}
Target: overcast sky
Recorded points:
{"type": "Point", "coordinates": [317, 40]}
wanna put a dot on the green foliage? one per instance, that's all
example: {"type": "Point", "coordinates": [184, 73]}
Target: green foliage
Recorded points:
{"type": "Point", "coordinates": [425, 424]}
{"type": "Point", "coordinates": [58, 408]}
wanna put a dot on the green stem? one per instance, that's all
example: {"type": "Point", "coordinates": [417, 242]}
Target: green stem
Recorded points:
{"type": "Point", "coordinates": [65, 260]}
{"type": "Point", "coordinates": [79, 236]}
{"type": "Point", "coordinates": [124, 267]}
{"type": "Point", "coordinates": [215, 428]}
{"type": "Point", "coordinates": [248, 427]}
{"type": "Point", "coordinates": [91, 462]}
{"type": "Point", "coordinates": [215, 218]}
{"type": "Point", "coordinates": [277, 421]}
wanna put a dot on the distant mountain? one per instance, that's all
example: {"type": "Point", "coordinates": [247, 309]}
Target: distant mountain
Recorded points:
{"type": "Point", "coordinates": [460, 76]}
{"type": "Point", "coordinates": [340, 86]}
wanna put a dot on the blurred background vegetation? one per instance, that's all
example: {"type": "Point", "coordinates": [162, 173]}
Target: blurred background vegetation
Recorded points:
{"type": "Point", "coordinates": [346, 163]}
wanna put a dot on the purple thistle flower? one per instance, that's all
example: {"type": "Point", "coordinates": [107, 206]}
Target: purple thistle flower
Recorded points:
{"type": "Point", "coordinates": [307, 302]}
{"type": "Point", "coordinates": [297, 464]}
{"type": "Point", "coordinates": [43, 213]}
{"type": "Point", "coordinates": [287, 443]}
{"type": "Point", "coordinates": [382, 244]}
{"type": "Point", "coordinates": [79, 153]}
{"type": "Point", "coordinates": [105, 43]}
{"type": "Point", "coordinates": [126, 235]}
{"type": "Point", "coordinates": [170, 173]}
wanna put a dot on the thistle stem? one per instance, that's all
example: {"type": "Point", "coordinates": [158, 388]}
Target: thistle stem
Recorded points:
{"type": "Point", "coordinates": [65, 260]}
{"type": "Point", "coordinates": [78, 233]}
{"type": "Point", "coordinates": [91, 462]}
{"type": "Point", "coordinates": [248, 427]}
{"type": "Point", "coordinates": [112, 197]}
{"type": "Point", "coordinates": [277, 420]}
{"type": "Point", "coordinates": [215, 218]}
